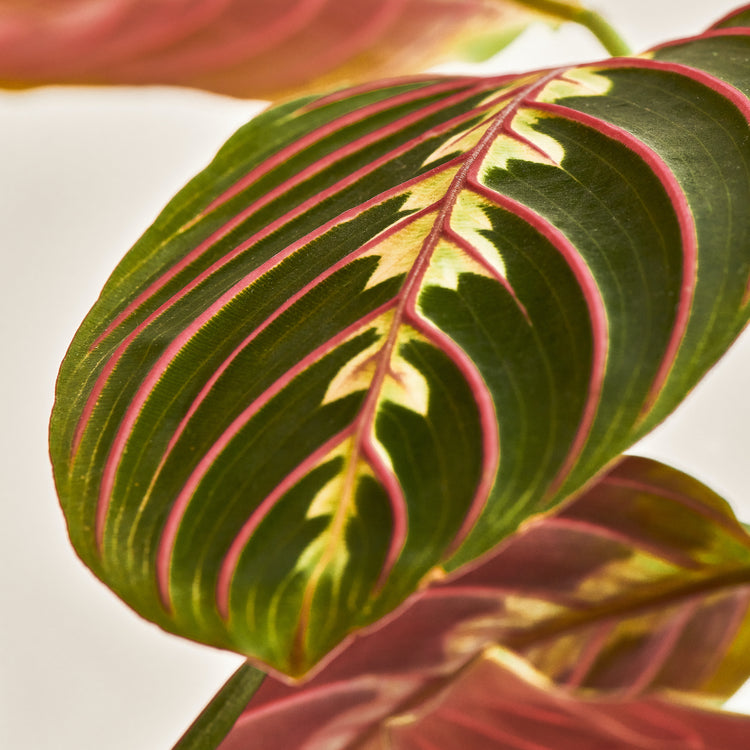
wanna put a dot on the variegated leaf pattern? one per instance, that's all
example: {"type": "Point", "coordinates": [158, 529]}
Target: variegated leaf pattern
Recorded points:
{"type": "Point", "coordinates": [386, 325]}
{"type": "Point", "coordinates": [635, 594]}
{"type": "Point", "coordinates": [251, 48]}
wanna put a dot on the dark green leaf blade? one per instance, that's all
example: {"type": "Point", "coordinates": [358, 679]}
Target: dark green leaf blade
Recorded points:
{"type": "Point", "coordinates": [386, 326]}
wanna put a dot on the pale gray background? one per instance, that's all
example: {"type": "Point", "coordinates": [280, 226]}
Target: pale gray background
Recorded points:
{"type": "Point", "coordinates": [82, 173]}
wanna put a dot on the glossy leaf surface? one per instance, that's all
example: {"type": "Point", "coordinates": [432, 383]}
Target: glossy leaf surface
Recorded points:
{"type": "Point", "coordinates": [634, 595]}
{"type": "Point", "coordinates": [250, 48]}
{"type": "Point", "coordinates": [387, 325]}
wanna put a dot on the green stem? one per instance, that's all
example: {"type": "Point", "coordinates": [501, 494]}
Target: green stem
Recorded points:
{"type": "Point", "coordinates": [219, 716]}
{"type": "Point", "coordinates": [606, 34]}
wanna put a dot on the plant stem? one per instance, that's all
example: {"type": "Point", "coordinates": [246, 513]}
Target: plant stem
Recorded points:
{"type": "Point", "coordinates": [606, 34]}
{"type": "Point", "coordinates": [218, 717]}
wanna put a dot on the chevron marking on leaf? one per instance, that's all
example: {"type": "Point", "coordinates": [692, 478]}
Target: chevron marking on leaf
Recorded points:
{"type": "Point", "coordinates": [387, 325]}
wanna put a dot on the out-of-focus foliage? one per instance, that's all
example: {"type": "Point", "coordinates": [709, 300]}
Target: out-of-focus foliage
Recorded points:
{"type": "Point", "coordinates": [249, 48]}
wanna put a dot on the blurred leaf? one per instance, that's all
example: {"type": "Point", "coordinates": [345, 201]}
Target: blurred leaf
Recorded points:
{"type": "Point", "coordinates": [253, 48]}
{"type": "Point", "coordinates": [499, 704]}
{"type": "Point", "coordinates": [384, 327]}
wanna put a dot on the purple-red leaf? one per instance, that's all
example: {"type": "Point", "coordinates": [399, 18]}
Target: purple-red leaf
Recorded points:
{"type": "Point", "coordinates": [498, 704]}
{"type": "Point", "coordinates": [251, 48]}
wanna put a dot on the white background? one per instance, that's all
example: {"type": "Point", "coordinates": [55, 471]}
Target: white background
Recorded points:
{"type": "Point", "coordinates": [82, 173]}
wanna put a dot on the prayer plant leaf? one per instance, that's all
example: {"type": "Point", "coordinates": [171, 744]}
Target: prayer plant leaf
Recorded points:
{"type": "Point", "coordinates": [633, 599]}
{"type": "Point", "coordinates": [256, 48]}
{"type": "Point", "coordinates": [500, 703]}
{"type": "Point", "coordinates": [387, 325]}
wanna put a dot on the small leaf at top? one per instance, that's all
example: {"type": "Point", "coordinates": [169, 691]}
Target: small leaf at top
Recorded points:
{"type": "Point", "coordinates": [385, 326]}
{"type": "Point", "coordinates": [250, 48]}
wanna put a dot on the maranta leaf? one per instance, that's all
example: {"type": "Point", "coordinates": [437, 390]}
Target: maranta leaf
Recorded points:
{"type": "Point", "coordinates": [387, 325]}
{"type": "Point", "coordinates": [501, 704]}
{"type": "Point", "coordinates": [253, 48]}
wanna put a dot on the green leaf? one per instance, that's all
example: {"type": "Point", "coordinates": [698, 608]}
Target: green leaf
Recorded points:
{"type": "Point", "coordinates": [385, 326]}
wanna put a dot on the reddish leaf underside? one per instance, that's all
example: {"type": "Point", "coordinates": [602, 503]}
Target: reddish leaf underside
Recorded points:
{"type": "Point", "coordinates": [242, 47]}
{"type": "Point", "coordinates": [497, 703]}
